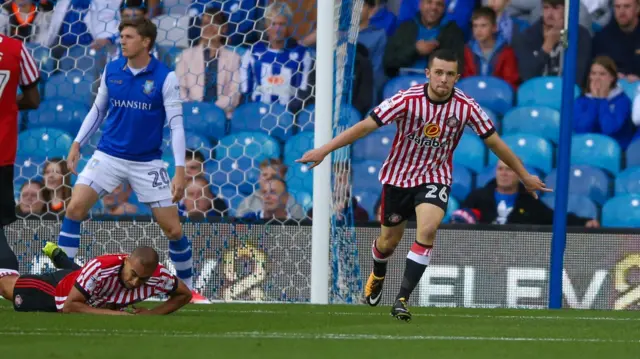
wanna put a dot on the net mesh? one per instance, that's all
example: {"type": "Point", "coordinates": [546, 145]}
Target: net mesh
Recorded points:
{"type": "Point", "coordinates": [248, 115]}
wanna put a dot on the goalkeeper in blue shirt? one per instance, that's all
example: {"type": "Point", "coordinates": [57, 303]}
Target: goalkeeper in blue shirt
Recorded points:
{"type": "Point", "coordinates": [137, 95]}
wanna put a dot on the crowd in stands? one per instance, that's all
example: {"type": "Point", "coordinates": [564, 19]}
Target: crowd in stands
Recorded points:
{"type": "Point", "coordinates": [248, 81]}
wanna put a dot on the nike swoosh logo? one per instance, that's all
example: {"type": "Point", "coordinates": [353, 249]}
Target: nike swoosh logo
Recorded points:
{"type": "Point", "coordinates": [375, 300]}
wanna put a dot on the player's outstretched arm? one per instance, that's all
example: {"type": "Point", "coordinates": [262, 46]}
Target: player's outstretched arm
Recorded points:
{"type": "Point", "coordinates": [178, 299]}
{"type": "Point", "coordinates": [504, 153]}
{"type": "Point", "coordinates": [352, 134]}
{"type": "Point", "coordinates": [77, 303]}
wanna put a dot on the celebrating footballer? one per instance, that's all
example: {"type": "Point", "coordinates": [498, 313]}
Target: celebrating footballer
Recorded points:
{"type": "Point", "coordinates": [417, 174]}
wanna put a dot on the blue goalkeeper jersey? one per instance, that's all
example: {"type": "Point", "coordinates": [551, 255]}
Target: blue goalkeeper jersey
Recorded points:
{"type": "Point", "coordinates": [136, 114]}
{"type": "Point", "coordinates": [275, 75]}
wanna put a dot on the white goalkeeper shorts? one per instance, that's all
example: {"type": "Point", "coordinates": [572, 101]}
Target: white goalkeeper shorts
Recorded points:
{"type": "Point", "coordinates": [149, 180]}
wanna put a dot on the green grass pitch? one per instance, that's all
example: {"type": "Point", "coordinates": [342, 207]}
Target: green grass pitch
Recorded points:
{"type": "Point", "coordinates": [334, 332]}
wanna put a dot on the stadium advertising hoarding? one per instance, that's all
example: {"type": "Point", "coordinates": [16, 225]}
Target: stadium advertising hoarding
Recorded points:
{"type": "Point", "coordinates": [503, 267]}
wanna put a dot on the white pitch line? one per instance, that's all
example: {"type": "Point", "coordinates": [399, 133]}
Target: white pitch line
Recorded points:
{"type": "Point", "coordinates": [304, 336]}
{"type": "Point", "coordinates": [469, 316]}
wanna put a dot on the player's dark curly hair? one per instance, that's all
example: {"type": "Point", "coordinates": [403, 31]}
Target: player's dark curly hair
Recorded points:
{"type": "Point", "coordinates": [444, 55]}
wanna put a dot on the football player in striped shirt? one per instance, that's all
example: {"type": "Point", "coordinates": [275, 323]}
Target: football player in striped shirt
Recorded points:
{"type": "Point", "coordinates": [417, 175]}
{"type": "Point", "coordinates": [106, 285]}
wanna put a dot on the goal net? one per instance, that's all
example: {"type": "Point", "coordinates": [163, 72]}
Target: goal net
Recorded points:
{"type": "Point", "coordinates": [247, 81]}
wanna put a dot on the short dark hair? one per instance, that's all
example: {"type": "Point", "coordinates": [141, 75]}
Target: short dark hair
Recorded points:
{"type": "Point", "coordinates": [194, 155]}
{"type": "Point", "coordinates": [144, 27]}
{"type": "Point", "coordinates": [553, 3]}
{"type": "Point", "coordinates": [147, 256]}
{"type": "Point", "coordinates": [444, 55]}
{"type": "Point", "coordinates": [485, 12]}
{"type": "Point", "coordinates": [134, 4]}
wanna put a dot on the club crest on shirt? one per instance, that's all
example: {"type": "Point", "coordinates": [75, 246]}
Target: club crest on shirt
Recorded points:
{"type": "Point", "coordinates": [148, 87]}
{"type": "Point", "coordinates": [453, 122]}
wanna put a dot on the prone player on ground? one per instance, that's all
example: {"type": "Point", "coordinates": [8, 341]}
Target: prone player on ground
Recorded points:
{"type": "Point", "coordinates": [137, 95]}
{"type": "Point", "coordinates": [416, 175]}
{"type": "Point", "coordinates": [105, 285]}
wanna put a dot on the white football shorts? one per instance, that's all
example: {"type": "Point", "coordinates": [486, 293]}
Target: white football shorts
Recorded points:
{"type": "Point", "coordinates": [149, 180]}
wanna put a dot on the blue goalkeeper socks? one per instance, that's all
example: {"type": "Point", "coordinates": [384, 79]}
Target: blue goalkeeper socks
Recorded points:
{"type": "Point", "coordinates": [69, 238]}
{"type": "Point", "coordinates": [182, 259]}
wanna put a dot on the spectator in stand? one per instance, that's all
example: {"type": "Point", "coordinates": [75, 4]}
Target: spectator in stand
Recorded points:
{"type": "Point", "coordinates": [362, 93]}
{"type": "Point", "coordinates": [504, 200]}
{"type": "Point", "coordinates": [57, 182]}
{"type": "Point", "coordinates": [341, 185]}
{"type": "Point", "coordinates": [418, 37]}
{"type": "Point", "coordinates": [194, 164]}
{"type": "Point", "coordinates": [277, 71]}
{"type": "Point", "coordinates": [31, 204]}
{"type": "Point", "coordinates": [382, 18]}
{"type": "Point", "coordinates": [200, 202]}
{"type": "Point", "coordinates": [210, 72]}
{"type": "Point", "coordinates": [538, 49]}
{"type": "Point", "coordinates": [244, 24]}
{"type": "Point", "coordinates": [275, 196]}
{"type": "Point", "coordinates": [620, 39]}
{"type": "Point", "coordinates": [269, 168]}
{"type": "Point", "coordinates": [508, 25]}
{"type": "Point", "coordinates": [375, 40]}
{"type": "Point", "coordinates": [458, 11]}
{"type": "Point", "coordinates": [487, 54]}
{"type": "Point", "coordinates": [584, 18]}
{"type": "Point", "coordinates": [604, 107]}
{"type": "Point", "coordinates": [117, 202]}
{"type": "Point", "coordinates": [600, 12]}
{"type": "Point", "coordinates": [24, 20]}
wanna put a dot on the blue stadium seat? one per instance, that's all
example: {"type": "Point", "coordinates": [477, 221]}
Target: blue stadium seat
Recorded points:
{"type": "Point", "coordinates": [630, 88]}
{"type": "Point", "coordinates": [296, 146]}
{"type": "Point", "coordinates": [169, 55]}
{"type": "Point", "coordinates": [233, 198]}
{"type": "Point", "coordinates": [462, 182]}
{"type": "Point", "coordinates": [194, 141]}
{"type": "Point", "coordinates": [273, 119]}
{"type": "Point", "coordinates": [543, 91]}
{"type": "Point", "coordinates": [596, 150]}
{"type": "Point", "coordinates": [470, 152]}
{"type": "Point", "coordinates": [28, 166]}
{"type": "Point", "coordinates": [375, 147]}
{"type": "Point", "coordinates": [365, 176]}
{"type": "Point", "coordinates": [622, 211]}
{"type": "Point", "coordinates": [303, 198]}
{"type": "Point", "coordinates": [305, 118]}
{"type": "Point", "coordinates": [628, 181]}
{"type": "Point", "coordinates": [491, 92]}
{"type": "Point", "coordinates": [248, 144]}
{"type": "Point", "coordinates": [43, 58]}
{"type": "Point", "coordinates": [78, 57]}
{"type": "Point", "coordinates": [66, 115]}
{"type": "Point", "coordinates": [367, 200]}
{"type": "Point", "coordinates": [494, 118]}
{"type": "Point", "coordinates": [205, 118]}
{"type": "Point", "coordinates": [242, 173]}
{"type": "Point", "coordinates": [633, 154]}
{"type": "Point", "coordinates": [535, 151]}
{"type": "Point", "coordinates": [401, 83]}
{"type": "Point", "coordinates": [581, 206]}
{"type": "Point", "coordinates": [72, 85]}
{"type": "Point", "coordinates": [488, 174]}
{"type": "Point", "coordinates": [585, 181]}
{"type": "Point", "coordinates": [534, 120]}
{"type": "Point", "coordinates": [44, 141]}
{"type": "Point", "coordinates": [299, 178]}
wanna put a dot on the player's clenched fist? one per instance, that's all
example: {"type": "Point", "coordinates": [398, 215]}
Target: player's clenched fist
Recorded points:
{"type": "Point", "coordinates": [533, 184]}
{"type": "Point", "coordinates": [316, 156]}
{"type": "Point", "coordinates": [178, 185]}
{"type": "Point", "coordinates": [73, 157]}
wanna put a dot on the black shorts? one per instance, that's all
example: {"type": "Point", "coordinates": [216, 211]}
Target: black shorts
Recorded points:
{"type": "Point", "coordinates": [399, 204]}
{"type": "Point", "coordinates": [37, 293]}
{"type": "Point", "coordinates": [7, 202]}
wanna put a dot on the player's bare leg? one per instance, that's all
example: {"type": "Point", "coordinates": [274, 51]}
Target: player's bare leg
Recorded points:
{"type": "Point", "coordinates": [6, 286]}
{"type": "Point", "coordinates": [381, 250]}
{"type": "Point", "coordinates": [82, 199]}
{"type": "Point", "coordinates": [429, 217]}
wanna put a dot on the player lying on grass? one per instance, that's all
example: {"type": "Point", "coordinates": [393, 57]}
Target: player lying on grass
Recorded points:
{"type": "Point", "coordinates": [105, 285]}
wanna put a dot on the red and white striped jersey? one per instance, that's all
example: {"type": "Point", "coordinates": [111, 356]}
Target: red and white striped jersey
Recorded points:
{"type": "Point", "coordinates": [100, 282]}
{"type": "Point", "coordinates": [427, 134]}
{"type": "Point", "coordinates": [17, 68]}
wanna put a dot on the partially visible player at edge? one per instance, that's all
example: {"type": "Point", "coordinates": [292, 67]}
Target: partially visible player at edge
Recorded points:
{"type": "Point", "coordinates": [137, 94]}
{"type": "Point", "coordinates": [106, 285]}
{"type": "Point", "coordinates": [416, 175]}
{"type": "Point", "coordinates": [17, 68]}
